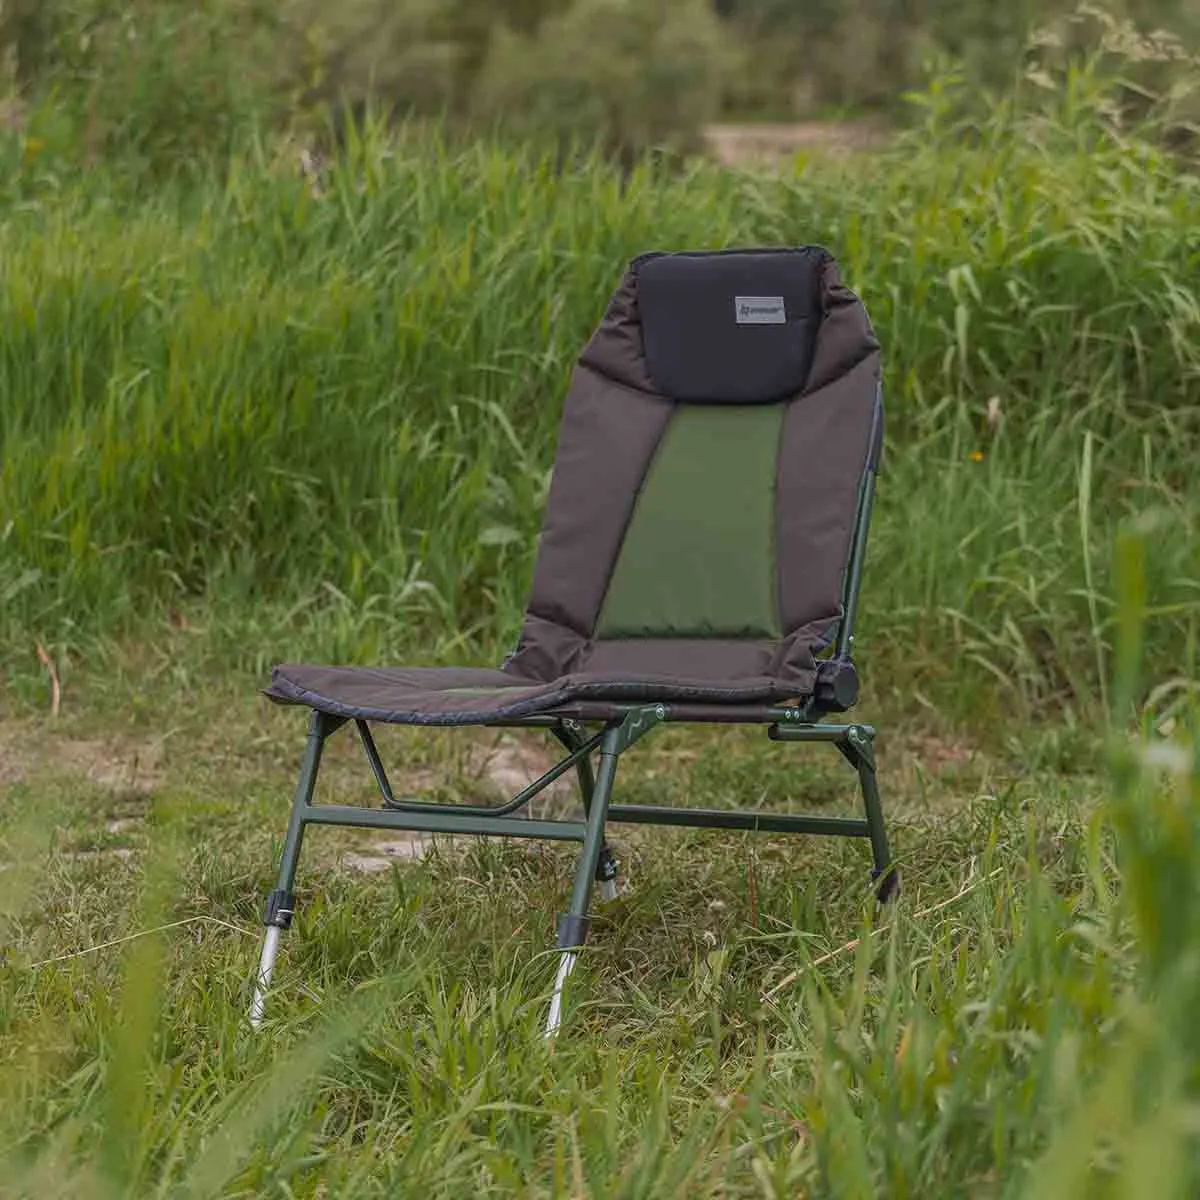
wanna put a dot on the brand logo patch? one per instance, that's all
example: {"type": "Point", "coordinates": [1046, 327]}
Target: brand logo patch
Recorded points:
{"type": "Point", "coordinates": [760, 310]}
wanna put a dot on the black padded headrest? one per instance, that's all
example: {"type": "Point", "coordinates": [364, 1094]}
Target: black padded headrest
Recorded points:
{"type": "Point", "coordinates": [730, 326]}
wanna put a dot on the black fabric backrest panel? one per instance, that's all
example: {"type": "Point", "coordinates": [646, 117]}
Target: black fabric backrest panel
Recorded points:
{"type": "Point", "coordinates": [736, 327]}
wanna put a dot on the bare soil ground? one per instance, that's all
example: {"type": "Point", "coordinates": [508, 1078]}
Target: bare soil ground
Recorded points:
{"type": "Point", "coordinates": [773, 144]}
{"type": "Point", "coordinates": [123, 774]}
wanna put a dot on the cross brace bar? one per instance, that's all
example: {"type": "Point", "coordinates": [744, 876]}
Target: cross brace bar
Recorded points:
{"type": "Point", "coordinates": [715, 818]}
{"type": "Point", "coordinates": [441, 822]}
{"type": "Point", "coordinates": [522, 798]}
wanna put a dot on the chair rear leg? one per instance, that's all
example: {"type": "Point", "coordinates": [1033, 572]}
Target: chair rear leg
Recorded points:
{"type": "Point", "coordinates": [573, 927]}
{"type": "Point", "coordinates": [886, 874]}
{"type": "Point", "coordinates": [281, 902]}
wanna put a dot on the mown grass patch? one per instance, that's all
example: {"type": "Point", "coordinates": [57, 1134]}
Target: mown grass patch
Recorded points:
{"type": "Point", "coordinates": [675, 1076]}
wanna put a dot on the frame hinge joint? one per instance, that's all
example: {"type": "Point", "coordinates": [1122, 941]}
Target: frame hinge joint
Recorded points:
{"type": "Point", "coordinates": [324, 725]}
{"type": "Point", "coordinates": [637, 723]}
{"type": "Point", "coordinates": [859, 746]}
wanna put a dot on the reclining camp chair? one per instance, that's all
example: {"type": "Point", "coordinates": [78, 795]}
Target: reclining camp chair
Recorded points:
{"type": "Point", "coordinates": [699, 562]}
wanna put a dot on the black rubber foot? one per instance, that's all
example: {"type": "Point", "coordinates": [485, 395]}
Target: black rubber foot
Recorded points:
{"type": "Point", "coordinates": [888, 888]}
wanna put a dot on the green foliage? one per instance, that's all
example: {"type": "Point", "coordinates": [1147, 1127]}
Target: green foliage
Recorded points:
{"type": "Point", "coordinates": [856, 53]}
{"type": "Point", "coordinates": [252, 416]}
{"type": "Point", "coordinates": [163, 84]}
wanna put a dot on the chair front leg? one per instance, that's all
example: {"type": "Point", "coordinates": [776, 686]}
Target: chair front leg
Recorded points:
{"type": "Point", "coordinates": [571, 735]}
{"type": "Point", "coordinates": [281, 903]}
{"type": "Point", "coordinates": [573, 926]}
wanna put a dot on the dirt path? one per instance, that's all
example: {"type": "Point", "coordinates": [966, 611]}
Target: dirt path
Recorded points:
{"type": "Point", "coordinates": [122, 776]}
{"type": "Point", "coordinates": [743, 145]}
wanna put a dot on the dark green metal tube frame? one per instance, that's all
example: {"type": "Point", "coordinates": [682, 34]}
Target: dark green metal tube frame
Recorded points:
{"type": "Point", "coordinates": [578, 755]}
{"type": "Point", "coordinates": [755, 822]}
{"type": "Point", "coordinates": [854, 741]}
{"type": "Point", "coordinates": [858, 546]}
{"type": "Point", "coordinates": [625, 725]}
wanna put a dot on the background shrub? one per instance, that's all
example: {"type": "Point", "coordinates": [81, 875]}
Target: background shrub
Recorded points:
{"type": "Point", "coordinates": [633, 74]}
{"type": "Point", "coordinates": [170, 84]}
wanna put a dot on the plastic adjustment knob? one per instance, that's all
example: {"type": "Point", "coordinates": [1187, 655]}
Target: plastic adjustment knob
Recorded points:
{"type": "Point", "coordinates": [837, 684]}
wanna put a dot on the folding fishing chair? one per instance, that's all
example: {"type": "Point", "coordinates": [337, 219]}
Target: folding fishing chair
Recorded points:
{"type": "Point", "coordinates": [699, 562]}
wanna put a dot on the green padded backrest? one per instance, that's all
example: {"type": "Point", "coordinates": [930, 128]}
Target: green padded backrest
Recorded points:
{"type": "Point", "coordinates": [710, 459]}
{"type": "Point", "coordinates": [698, 557]}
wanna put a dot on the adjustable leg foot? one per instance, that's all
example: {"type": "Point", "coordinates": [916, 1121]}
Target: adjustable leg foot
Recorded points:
{"type": "Point", "coordinates": [266, 967]}
{"type": "Point", "coordinates": [280, 906]}
{"type": "Point", "coordinates": [566, 964]}
{"type": "Point", "coordinates": [572, 935]}
{"type": "Point", "coordinates": [888, 887]}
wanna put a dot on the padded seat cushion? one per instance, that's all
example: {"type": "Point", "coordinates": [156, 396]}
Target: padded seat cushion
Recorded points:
{"type": "Point", "coordinates": [466, 696]}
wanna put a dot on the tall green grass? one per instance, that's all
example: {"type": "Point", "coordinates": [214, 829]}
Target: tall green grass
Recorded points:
{"type": "Point", "coordinates": [1024, 1025]}
{"type": "Point", "coordinates": [327, 419]}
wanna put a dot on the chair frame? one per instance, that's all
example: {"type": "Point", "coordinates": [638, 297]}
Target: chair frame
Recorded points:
{"type": "Point", "coordinates": [596, 862]}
